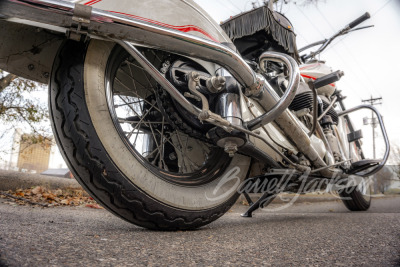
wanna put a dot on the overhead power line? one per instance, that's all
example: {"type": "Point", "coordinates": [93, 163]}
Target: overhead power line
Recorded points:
{"type": "Point", "coordinates": [382, 7]}
{"type": "Point", "coordinates": [337, 53]}
{"type": "Point", "coordinates": [372, 84]}
{"type": "Point", "coordinates": [373, 14]}
{"type": "Point", "coordinates": [233, 4]}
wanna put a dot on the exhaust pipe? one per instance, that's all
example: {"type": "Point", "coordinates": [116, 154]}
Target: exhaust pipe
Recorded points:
{"type": "Point", "coordinates": [61, 15]}
{"type": "Point", "coordinates": [268, 99]}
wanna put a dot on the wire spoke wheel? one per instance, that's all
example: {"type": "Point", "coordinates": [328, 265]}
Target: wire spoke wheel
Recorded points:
{"type": "Point", "coordinates": [141, 122]}
{"type": "Point", "coordinates": [123, 147]}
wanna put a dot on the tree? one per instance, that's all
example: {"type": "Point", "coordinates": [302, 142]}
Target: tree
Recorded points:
{"type": "Point", "coordinates": [6, 80]}
{"type": "Point", "coordinates": [19, 106]}
{"type": "Point", "coordinates": [389, 173]}
{"type": "Point", "coordinates": [384, 178]}
{"type": "Point", "coordinates": [395, 157]}
{"type": "Point", "coordinates": [16, 103]}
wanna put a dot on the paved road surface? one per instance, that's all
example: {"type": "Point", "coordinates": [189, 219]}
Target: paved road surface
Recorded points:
{"type": "Point", "coordinates": [305, 234]}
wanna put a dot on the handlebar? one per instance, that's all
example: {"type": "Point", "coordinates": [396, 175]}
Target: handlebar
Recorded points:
{"type": "Point", "coordinates": [312, 45]}
{"type": "Point", "coordinates": [326, 42]}
{"type": "Point", "coordinates": [359, 20]}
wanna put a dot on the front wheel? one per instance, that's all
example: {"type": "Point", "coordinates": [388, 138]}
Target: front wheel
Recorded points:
{"type": "Point", "coordinates": [113, 125]}
{"type": "Point", "coordinates": [357, 198]}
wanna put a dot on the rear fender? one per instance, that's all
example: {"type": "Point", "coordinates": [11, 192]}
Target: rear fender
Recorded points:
{"type": "Point", "coordinates": [27, 51]}
{"type": "Point", "coordinates": [183, 15]}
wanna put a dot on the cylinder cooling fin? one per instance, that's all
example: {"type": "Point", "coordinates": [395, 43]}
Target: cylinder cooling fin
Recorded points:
{"type": "Point", "coordinates": [303, 98]}
{"type": "Point", "coordinates": [332, 112]}
{"type": "Point", "coordinates": [302, 101]}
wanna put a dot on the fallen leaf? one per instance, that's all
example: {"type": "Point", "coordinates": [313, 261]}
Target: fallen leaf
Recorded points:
{"type": "Point", "coordinates": [94, 206]}
{"type": "Point", "coordinates": [49, 196]}
{"type": "Point", "coordinates": [41, 195]}
{"type": "Point", "coordinates": [37, 190]}
{"type": "Point", "coordinates": [65, 202]}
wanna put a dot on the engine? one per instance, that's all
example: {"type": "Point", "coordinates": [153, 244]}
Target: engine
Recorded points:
{"type": "Point", "coordinates": [303, 99]}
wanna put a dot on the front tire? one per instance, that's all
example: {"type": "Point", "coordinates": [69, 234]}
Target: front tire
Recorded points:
{"type": "Point", "coordinates": [357, 198]}
{"type": "Point", "coordinates": [106, 165]}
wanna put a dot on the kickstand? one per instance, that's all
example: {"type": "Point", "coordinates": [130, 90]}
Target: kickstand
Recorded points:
{"type": "Point", "coordinates": [264, 200]}
{"type": "Point", "coordinates": [248, 199]}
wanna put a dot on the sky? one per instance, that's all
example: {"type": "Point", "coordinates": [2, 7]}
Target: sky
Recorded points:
{"type": "Point", "coordinates": [370, 58]}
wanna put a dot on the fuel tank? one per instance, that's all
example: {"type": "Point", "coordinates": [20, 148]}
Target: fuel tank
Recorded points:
{"type": "Point", "coordinates": [181, 15]}
{"type": "Point", "coordinates": [315, 69]}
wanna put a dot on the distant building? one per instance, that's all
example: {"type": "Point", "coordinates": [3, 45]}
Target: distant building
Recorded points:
{"type": "Point", "coordinates": [29, 154]}
{"type": "Point", "coordinates": [34, 155]}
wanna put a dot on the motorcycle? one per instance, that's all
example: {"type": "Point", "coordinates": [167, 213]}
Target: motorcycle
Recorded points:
{"type": "Point", "coordinates": [164, 116]}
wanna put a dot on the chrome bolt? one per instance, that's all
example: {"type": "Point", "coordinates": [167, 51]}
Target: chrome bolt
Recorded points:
{"type": "Point", "coordinates": [230, 148]}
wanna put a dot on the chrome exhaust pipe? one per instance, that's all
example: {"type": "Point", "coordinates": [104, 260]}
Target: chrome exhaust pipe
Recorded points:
{"type": "Point", "coordinates": [285, 120]}
{"type": "Point", "coordinates": [267, 96]}
{"type": "Point", "coordinates": [60, 16]}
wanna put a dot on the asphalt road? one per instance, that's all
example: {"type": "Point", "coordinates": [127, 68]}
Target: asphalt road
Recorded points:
{"type": "Point", "coordinates": [317, 234]}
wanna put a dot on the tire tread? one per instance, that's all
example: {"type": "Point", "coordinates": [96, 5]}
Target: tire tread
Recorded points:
{"type": "Point", "coordinates": [98, 175]}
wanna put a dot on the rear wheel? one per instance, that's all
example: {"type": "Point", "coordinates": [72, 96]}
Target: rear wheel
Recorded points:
{"type": "Point", "coordinates": [109, 123]}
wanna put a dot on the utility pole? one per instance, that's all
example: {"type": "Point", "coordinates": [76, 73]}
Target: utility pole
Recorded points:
{"type": "Point", "coordinates": [373, 102]}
